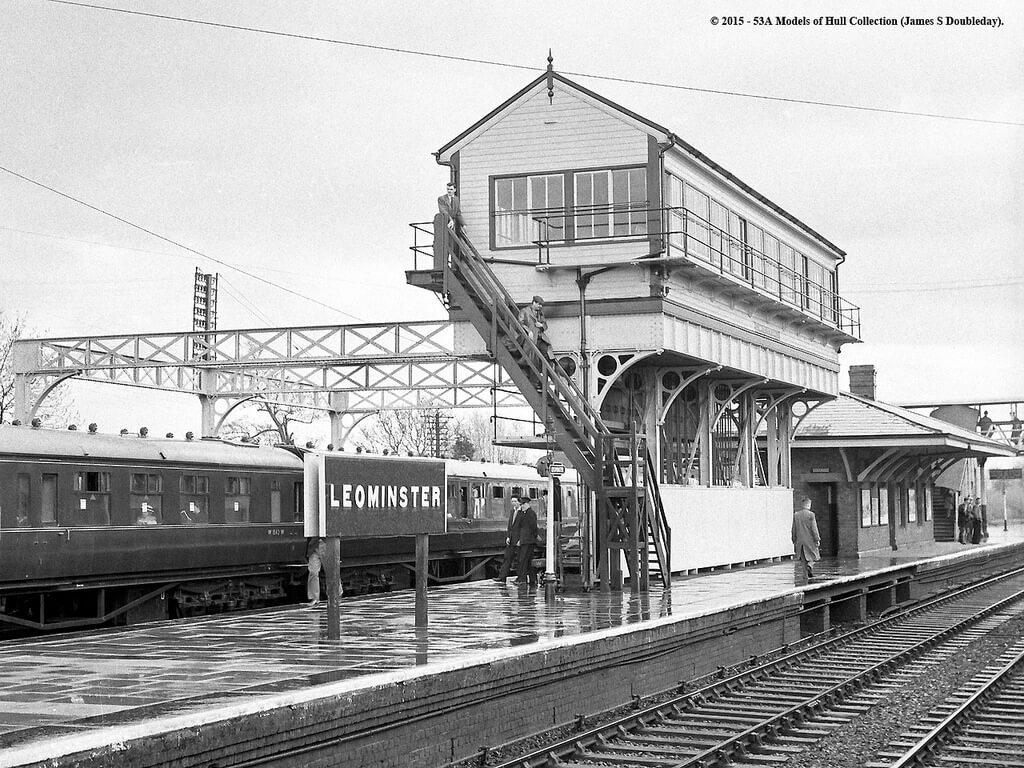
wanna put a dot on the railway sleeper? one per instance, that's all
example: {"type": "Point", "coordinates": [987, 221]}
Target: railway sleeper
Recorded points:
{"type": "Point", "coordinates": [633, 759]}
{"type": "Point", "coordinates": [619, 748]}
{"type": "Point", "coordinates": [685, 741]}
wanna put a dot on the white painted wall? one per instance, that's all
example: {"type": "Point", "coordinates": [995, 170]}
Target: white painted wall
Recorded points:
{"type": "Point", "coordinates": [722, 526]}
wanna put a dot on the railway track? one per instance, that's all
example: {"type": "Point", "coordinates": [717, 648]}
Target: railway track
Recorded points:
{"type": "Point", "coordinates": [767, 713]}
{"type": "Point", "coordinates": [982, 724]}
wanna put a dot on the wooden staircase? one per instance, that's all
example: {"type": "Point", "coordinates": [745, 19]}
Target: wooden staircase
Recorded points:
{"type": "Point", "coordinates": [630, 519]}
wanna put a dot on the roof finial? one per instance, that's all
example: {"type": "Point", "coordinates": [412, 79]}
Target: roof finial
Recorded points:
{"type": "Point", "coordinates": [551, 77]}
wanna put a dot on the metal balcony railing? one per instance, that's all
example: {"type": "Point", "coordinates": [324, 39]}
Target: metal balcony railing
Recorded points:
{"type": "Point", "coordinates": [686, 236]}
{"type": "Point", "coordinates": [696, 240]}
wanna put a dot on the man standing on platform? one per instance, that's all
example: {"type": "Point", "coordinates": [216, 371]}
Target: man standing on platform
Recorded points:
{"type": "Point", "coordinates": [511, 542]}
{"type": "Point", "coordinates": [527, 542]}
{"type": "Point", "coordinates": [805, 536]}
{"type": "Point", "coordinates": [316, 553]}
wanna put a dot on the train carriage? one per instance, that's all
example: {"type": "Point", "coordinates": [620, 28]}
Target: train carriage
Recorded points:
{"type": "Point", "coordinates": [106, 529]}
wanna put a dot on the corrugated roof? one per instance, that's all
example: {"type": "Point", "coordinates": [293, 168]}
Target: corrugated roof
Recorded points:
{"type": "Point", "coordinates": [41, 442]}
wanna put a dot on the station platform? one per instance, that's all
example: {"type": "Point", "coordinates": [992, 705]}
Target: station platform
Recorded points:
{"type": "Point", "coordinates": [173, 693]}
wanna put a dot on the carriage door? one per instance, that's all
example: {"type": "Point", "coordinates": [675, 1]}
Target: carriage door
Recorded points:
{"type": "Point", "coordinates": [459, 500]}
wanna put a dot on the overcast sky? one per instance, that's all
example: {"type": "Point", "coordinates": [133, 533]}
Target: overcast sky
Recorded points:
{"type": "Point", "coordinates": [303, 162]}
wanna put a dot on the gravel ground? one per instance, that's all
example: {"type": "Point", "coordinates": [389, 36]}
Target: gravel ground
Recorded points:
{"type": "Point", "coordinates": [856, 743]}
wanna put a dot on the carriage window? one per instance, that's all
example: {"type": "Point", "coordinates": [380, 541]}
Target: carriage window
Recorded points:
{"type": "Point", "coordinates": [533, 493]}
{"type": "Point", "coordinates": [145, 499]}
{"type": "Point", "coordinates": [517, 491]}
{"type": "Point", "coordinates": [92, 503]}
{"type": "Point", "coordinates": [195, 500]}
{"type": "Point", "coordinates": [236, 499]}
{"type": "Point", "coordinates": [23, 512]}
{"type": "Point", "coordinates": [48, 506]}
{"type": "Point", "coordinates": [300, 503]}
{"type": "Point", "coordinates": [275, 501]}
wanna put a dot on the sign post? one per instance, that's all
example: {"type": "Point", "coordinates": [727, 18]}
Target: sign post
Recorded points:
{"type": "Point", "coordinates": [422, 558]}
{"type": "Point", "coordinates": [555, 469]}
{"type": "Point", "coordinates": [1014, 473]}
{"type": "Point", "coordinates": [356, 497]}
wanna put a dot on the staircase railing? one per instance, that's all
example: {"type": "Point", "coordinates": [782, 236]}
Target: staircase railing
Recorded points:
{"type": "Point", "coordinates": [575, 425]}
{"type": "Point", "coordinates": [577, 417]}
{"type": "Point", "coordinates": [657, 521]}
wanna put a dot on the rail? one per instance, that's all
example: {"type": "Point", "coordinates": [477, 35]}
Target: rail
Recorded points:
{"type": "Point", "coordinates": [698, 241]}
{"type": "Point", "coordinates": [877, 656]}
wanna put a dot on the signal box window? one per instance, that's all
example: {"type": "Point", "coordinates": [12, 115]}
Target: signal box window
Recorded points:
{"type": "Point", "coordinates": [611, 203]}
{"type": "Point", "coordinates": [236, 499]}
{"type": "Point", "coordinates": [92, 499]}
{"type": "Point", "coordinates": [145, 499]}
{"type": "Point", "coordinates": [195, 500]}
{"type": "Point", "coordinates": [517, 201]}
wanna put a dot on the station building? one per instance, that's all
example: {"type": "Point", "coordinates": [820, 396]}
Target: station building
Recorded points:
{"type": "Point", "coordinates": [881, 477]}
{"type": "Point", "coordinates": [682, 301]}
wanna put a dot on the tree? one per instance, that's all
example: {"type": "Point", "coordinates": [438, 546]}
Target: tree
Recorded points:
{"type": "Point", "coordinates": [419, 431]}
{"type": "Point", "coordinates": [58, 409]}
{"type": "Point", "coordinates": [269, 423]}
{"type": "Point", "coordinates": [478, 429]}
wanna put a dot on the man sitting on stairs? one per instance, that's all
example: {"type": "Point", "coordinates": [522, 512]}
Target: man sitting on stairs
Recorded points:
{"type": "Point", "coordinates": [532, 318]}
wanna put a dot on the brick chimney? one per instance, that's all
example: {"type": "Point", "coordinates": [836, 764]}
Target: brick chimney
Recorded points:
{"type": "Point", "coordinates": [862, 381]}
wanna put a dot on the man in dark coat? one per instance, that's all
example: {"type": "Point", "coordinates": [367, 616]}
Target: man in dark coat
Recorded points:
{"type": "Point", "coordinates": [527, 535]}
{"type": "Point", "coordinates": [805, 536]}
{"type": "Point", "coordinates": [511, 542]}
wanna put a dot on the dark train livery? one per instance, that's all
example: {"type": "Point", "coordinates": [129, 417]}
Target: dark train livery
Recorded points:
{"type": "Point", "coordinates": [105, 529]}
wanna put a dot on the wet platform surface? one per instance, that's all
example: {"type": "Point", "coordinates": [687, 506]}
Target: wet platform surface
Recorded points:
{"type": "Point", "coordinates": [75, 684]}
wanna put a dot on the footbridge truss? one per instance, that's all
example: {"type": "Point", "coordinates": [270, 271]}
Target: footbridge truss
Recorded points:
{"type": "Point", "coordinates": [342, 369]}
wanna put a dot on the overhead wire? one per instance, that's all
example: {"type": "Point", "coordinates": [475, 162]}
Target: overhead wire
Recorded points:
{"type": "Point", "coordinates": [511, 65]}
{"type": "Point", "coordinates": [237, 294]}
{"type": "Point", "coordinates": [934, 288]}
{"type": "Point", "coordinates": [177, 244]}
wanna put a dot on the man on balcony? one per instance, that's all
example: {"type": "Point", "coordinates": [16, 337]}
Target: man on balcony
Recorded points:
{"type": "Point", "coordinates": [447, 222]}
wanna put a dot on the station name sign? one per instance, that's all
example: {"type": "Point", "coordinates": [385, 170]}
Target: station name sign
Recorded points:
{"type": "Point", "coordinates": [353, 496]}
{"type": "Point", "coordinates": [1005, 474]}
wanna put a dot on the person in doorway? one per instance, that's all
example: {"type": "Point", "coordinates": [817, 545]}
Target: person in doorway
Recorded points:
{"type": "Point", "coordinates": [976, 521]}
{"type": "Point", "coordinates": [527, 533]}
{"type": "Point", "coordinates": [511, 542]}
{"type": "Point", "coordinates": [1015, 430]}
{"type": "Point", "coordinates": [806, 538]}
{"type": "Point", "coordinates": [962, 518]}
{"type": "Point", "coordinates": [316, 551]}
